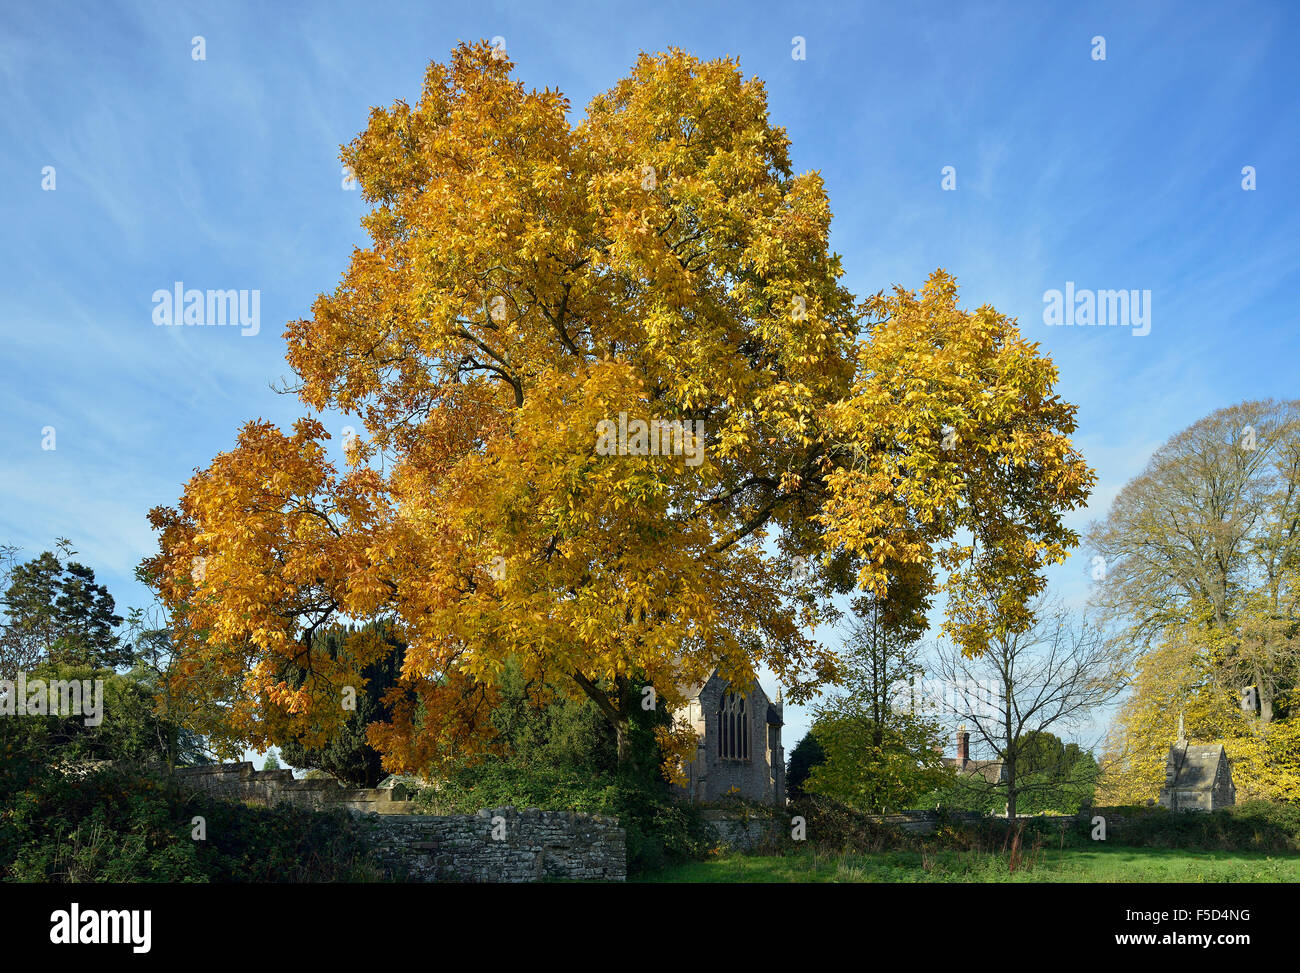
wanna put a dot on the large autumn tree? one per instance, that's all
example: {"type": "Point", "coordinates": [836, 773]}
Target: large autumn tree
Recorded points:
{"type": "Point", "coordinates": [1210, 530]}
{"type": "Point", "coordinates": [529, 280]}
{"type": "Point", "coordinates": [1200, 559]}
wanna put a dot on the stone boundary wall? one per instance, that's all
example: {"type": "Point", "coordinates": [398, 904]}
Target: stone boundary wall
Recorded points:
{"type": "Point", "coordinates": [240, 782]}
{"type": "Point", "coordinates": [925, 822]}
{"type": "Point", "coordinates": [501, 845]}
{"type": "Point", "coordinates": [745, 832]}
{"type": "Point", "coordinates": [494, 845]}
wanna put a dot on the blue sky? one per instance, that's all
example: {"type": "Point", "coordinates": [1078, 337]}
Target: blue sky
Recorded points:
{"type": "Point", "coordinates": [223, 173]}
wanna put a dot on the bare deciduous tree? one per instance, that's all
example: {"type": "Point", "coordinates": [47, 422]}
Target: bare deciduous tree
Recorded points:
{"type": "Point", "coordinates": [1052, 677]}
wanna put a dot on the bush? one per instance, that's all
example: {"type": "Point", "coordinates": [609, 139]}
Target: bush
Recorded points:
{"type": "Point", "coordinates": [124, 824]}
{"type": "Point", "coordinates": [833, 827]}
{"type": "Point", "coordinates": [659, 830]}
{"type": "Point", "coordinates": [1253, 826]}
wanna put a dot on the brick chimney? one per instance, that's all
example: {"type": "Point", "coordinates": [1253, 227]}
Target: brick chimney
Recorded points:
{"type": "Point", "coordinates": [963, 746]}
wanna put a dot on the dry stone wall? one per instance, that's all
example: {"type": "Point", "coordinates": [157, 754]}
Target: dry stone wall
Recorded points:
{"type": "Point", "coordinates": [494, 845]}
{"type": "Point", "coordinates": [742, 831]}
{"type": "Point", "coordinates": [240, 782]}
{"type": "Point", "coordinates": [501, 845]}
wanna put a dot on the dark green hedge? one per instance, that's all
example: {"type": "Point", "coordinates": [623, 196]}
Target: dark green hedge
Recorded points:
{"type": "Point", "coordinates": [1255, 826]}
{"type": "Point", "coordinates": [118, 824]}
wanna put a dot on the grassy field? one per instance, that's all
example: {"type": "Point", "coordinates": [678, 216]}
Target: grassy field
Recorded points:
{"type": "Point", "coordinates": [1112, 864]}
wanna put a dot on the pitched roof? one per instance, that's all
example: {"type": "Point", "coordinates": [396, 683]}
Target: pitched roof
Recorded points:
{"type": "Point", "coordinates": [1195, 767]}
{"type": "Point", "coordinates": [990, 770]}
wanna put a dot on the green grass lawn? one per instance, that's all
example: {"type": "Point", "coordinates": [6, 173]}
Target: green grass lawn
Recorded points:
{"type": "Point", "coordinates": [1108, 864]}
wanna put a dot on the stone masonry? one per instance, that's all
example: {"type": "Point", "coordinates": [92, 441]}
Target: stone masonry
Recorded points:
{"type": "Point", "coordinates": [494, 845]}
{"type": "Point", "coordinates": [758, 773]}
{"type": "Point", "coordinates": [1197, 778]}
{"type": "Point", "coordinates": [501, 845]}
{"type": "Point", "coordinates": [240, 782]}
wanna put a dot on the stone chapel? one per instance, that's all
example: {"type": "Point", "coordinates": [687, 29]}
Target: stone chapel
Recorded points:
{"type": "Point", "coordinates": [1197, 778]}
{"type": "Point", "coordinates": [739, 753]}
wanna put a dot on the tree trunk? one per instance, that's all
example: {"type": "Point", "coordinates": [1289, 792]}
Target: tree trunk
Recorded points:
{"type": "Point", "coordinates": [616, 711]}
{"type": "Point", "coordinates": [1265, 698]}
{"type": "Point", "coordinates": [1011, 791]}
{"type": "Point", "coordinates": [621, 730]}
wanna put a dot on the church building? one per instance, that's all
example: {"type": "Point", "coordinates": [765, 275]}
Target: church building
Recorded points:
{"type": "Point", "coordinates": [739, 753]}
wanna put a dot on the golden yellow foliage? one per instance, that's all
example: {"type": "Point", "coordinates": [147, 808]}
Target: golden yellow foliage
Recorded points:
{"type": "Point", "coordinates": [529, 280]}
{"type": "Point", "coordinates": [956, 433]}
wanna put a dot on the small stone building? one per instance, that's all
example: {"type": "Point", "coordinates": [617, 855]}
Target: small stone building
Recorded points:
{"type": "Point", "coordinates": [1197, 778]}
{"type": "Point", "coordinates": [739, 753]}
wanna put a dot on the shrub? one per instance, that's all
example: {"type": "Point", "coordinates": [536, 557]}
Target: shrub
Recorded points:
{"type": "Point", "coordinates": [125, 824]}
{"type": "Point", "coordinates": [1253, 826]}
{"type": "Point", "coordinates": [833, 827]}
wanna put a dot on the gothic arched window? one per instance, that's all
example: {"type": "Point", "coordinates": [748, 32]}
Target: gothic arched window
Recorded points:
{"type": "Point", "coordinates": [733, 727]}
